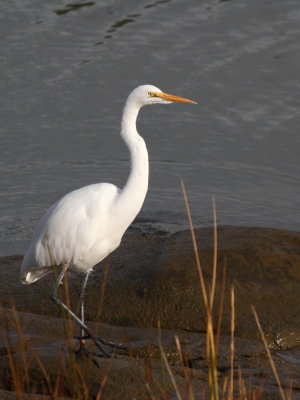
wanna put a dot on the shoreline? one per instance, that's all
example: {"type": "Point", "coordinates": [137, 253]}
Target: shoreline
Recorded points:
{"type": "Point", "coordinates": [138, 229]}
{"type": "Point", "coordinates": [153, 276]}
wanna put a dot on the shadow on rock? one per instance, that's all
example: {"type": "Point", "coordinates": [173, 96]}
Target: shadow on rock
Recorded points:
{"type": "Point", "coordinates": [151, 279]}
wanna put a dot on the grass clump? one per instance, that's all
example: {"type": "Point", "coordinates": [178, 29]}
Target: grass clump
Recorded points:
{"type": "Point", "coordinates": [155, 375]}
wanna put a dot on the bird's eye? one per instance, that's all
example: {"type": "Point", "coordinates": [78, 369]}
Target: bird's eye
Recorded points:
{"type": "Point", "coordinates": [151, 94]}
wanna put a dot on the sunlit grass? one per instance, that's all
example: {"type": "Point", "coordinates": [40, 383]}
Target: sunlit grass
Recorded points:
{"type": "Point", "coordinates": [75, 377]}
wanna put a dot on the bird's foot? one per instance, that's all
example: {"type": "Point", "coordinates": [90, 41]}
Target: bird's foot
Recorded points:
{"type": "Point", "coordinates": [115, 346]}
{"type": "Point", "coordinates": [82, 352]}
{"type": "Point", "coordinates": [90, 345]}
{"type": "Point", "coordinates": [81, 347]}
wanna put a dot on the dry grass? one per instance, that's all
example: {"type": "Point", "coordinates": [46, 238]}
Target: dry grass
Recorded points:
{"type": "Point", "coordinates": [79, 381]}
{"type": "Point", "coordinates": [282, 394]}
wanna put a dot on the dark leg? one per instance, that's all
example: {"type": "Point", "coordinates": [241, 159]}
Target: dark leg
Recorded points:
{"type": "Point", "coordinates": [81, 324]}
{"type": "Point", "coordinates": [84, 329]}
{"type": "Point", "coordinates": [82, 296]}
{"type": "Point", "coordinates": [83, 332]}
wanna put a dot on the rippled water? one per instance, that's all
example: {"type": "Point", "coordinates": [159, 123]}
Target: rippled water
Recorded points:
{"type": "Point", "coordinates": [66, 70]}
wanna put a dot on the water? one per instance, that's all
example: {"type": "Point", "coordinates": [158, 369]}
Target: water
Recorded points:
{"type": "Point", "coordinates": [66, 70]}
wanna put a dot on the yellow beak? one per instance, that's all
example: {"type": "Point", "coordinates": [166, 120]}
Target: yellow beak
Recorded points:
{"type": "Point", "coordinates": [173, 99]}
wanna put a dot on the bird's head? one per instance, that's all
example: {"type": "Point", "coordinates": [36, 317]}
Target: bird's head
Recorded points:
{"type": "Point", "coordinates": [149, 94]}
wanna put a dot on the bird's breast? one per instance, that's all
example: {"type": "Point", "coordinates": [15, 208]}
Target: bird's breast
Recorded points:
{"type": "Point", "coordinates": [95, 254]}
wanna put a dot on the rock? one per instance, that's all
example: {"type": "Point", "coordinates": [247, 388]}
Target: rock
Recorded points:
{"type": "Point", "coordinates": [156, 279]}
{"type": "Point", "coordinates": [45, 363]}
{"type": "Point", "coordinates": [7, 395]}
{"type": "Point", "coordinates": [37, 356]}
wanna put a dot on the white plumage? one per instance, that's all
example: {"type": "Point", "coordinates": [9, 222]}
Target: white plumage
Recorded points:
{"type": "Point", "coordinates": [78, 230]}
{"type": "Point", "coordinates": [84, 226]}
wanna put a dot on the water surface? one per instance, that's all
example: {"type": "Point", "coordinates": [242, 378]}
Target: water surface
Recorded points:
{"type": "Point", "coordinates": [66, 69]}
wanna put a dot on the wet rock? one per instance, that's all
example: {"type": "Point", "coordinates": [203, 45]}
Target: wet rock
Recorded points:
{"type": "Point", "coordinates": [44, 363]}
{"type": "Point", "coordinates": [7, 395]}
{"type": "Point", "coordinates": [156, 279]}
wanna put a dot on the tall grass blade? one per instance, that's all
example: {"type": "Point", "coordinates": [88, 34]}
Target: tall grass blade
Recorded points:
{"type": "Point", "coordinates": [208, 301]}
{"type": "Point", "coordinates": [199, 267]}
{"type": "Point", "coordinates": [222, 298]}
{"type": "Point", "coordinates": [214, 274]}
{"type": "Point", "coordinates": [14, 368]}
{"type": "Point", "coordinates": [230, 396]}
{"type": "Point", "coordinates": [282, 394]}
{"type": "Point", "coordinates": [149, 390]}
{"type": "Point", "coordinates": [171, 375]}
{"type": "Point", "coordinates": [186, 370]}
{"type": "Point", "coordinates": [242, 388]}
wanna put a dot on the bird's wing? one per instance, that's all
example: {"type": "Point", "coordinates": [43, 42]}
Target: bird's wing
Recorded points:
{"type": "Point", "coordinates": [70, 227]}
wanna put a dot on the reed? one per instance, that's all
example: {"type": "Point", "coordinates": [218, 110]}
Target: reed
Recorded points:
{"type": "Point", "coordinates": [208, 299]}
{"type": "Point", "coordinates": [76, 377]}
{"type": "Point", "coordinates": [282, 394]}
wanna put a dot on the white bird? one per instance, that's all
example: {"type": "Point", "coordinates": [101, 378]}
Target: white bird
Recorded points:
{"type": "Point", "coordinates": [87, 224]}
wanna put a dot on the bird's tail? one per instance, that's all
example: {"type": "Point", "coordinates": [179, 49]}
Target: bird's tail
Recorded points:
{"type": "Point", "coordinates": [32, 276]}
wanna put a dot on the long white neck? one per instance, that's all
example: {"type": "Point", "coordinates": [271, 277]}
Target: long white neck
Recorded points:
{"type": "Point", "coordinates": [134, 192]}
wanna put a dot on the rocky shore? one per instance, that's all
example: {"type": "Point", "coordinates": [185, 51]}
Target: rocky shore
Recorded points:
{"type": "Point", "coordinates": [151, 281]}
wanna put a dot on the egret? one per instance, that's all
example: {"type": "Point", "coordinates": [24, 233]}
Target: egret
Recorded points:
{"type": "Point", "coordinates": [86, 225]}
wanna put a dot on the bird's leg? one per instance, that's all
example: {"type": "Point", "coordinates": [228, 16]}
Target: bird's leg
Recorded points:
{"type": "Point", "coordinates": [82, 296]}
{"type": "Point", "coordinates": [81, 324]}
{"type": "Point", "coordinates": [83, 336]}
